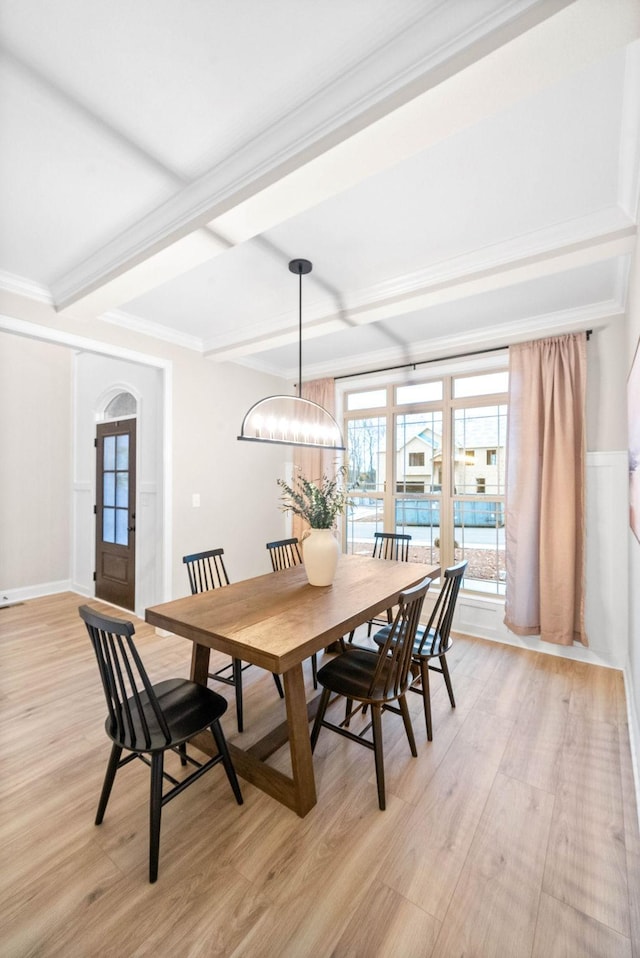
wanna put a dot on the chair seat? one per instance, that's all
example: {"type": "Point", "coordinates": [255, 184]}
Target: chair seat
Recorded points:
{"type": "Point", "coordinates": [432, 645]}
{"type": "Point", "coordinates": [188, 708]}
{"type": "Point", "coordinates": [350, 674]}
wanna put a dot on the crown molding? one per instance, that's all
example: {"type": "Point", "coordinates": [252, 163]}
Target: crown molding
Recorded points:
{"type": "Point", "coordinates": [622, 281]}
{"type": "Point", "coordinates": [269, 369]}
{"type": "Point", "coordinates": [608, 225]}
{"type": "Point", "coordinates": [492, 337]}
{"type": "Point", "coordinates": [21, 286]}
{"type": "Point", "coordinates": [135, 324]}
{"type": "Point", "coordinates": [29, 289]}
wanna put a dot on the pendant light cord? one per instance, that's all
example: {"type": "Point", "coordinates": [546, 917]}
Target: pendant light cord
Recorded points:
{"type": "Point", "coordinates": [301, 267]}
{"type": "Point", "coordinates": [300, 334]}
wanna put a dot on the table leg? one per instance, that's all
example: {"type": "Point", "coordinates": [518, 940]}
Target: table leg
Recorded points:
{"type": "Point", "coordinates": [200, 664]}
{"type": "Point", "coordinates": [297, 792]}
{"type": "Point", "coordinates": [299, 740]}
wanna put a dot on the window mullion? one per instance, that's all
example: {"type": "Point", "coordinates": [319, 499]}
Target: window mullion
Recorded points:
{"type": "Point", "coordinates": [446, 503]}
{"type": "Point", "coordinates": [389, 509]}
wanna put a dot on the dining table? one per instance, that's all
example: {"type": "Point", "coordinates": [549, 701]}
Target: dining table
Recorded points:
{"type": "Point", "coordinates": [276, 621]}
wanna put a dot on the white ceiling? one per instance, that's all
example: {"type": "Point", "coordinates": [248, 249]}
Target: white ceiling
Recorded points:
{"type": "Point", "coordinates": [460, 172]}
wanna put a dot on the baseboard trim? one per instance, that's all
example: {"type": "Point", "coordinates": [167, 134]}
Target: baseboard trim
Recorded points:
{"type": "Point", "coordinates": [13, 596]}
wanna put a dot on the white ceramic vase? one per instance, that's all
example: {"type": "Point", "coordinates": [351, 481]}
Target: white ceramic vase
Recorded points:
{"type": "Point", "coordinates": [320, 553]}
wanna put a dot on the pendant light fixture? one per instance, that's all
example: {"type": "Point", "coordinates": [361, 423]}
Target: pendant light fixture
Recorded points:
{"type": "Point", "coordinates": [292, 420]}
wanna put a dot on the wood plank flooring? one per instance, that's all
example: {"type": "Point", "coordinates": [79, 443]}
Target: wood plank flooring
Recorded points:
{"type": "Point", "coordinates": [514, 833]}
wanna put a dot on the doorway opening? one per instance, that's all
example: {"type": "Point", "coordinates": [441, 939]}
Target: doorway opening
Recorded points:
{"type": "Point", "coordinates": [115, 507]}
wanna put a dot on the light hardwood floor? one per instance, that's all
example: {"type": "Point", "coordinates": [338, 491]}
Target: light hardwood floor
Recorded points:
{"type": "Point", "coordinates": [514, 833]}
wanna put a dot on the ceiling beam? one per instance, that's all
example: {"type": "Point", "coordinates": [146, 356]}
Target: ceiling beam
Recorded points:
{"type": "Point", "coordinates": [438, 290]}
{"type": "Point", "coordinates": [273, 180]}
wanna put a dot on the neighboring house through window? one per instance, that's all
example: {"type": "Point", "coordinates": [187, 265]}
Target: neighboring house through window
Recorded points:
{"type": "Point", "coordinates": [413, 454]}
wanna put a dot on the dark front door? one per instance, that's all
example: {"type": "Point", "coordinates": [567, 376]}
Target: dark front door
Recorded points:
{"type": "Point", "coordinates": [115, 513]}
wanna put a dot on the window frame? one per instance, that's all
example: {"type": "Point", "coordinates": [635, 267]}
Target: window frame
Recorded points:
{"type": "Point", "coordinates": [389, 494]}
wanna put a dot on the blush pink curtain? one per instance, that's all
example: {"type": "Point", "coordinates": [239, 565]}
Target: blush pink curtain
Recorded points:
{"type": "Point", "coordinates": [314, 463]}
{"type": "Point", "coordinates": [545, 489]}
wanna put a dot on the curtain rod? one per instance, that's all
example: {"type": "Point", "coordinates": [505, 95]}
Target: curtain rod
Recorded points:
{"type": "Point", "coordinates": [424, 362]}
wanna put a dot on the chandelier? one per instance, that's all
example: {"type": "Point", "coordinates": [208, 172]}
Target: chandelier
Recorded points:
{"type": "Point", "coordinates": [292, 420]}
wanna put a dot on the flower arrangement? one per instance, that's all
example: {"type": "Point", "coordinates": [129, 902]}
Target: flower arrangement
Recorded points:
{"type": "Point", "coordinates": [318, 502]}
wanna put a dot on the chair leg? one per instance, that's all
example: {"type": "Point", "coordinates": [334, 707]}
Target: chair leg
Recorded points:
{"type": "Point", "coordinates": [408, 727]}
{"type": "Point", "coordinates": [183, 753]}
{"type": "Point", "coordinates": [447, 679]}
{"type": "Point", "coordinates": [110, 774]}
{"type": "Point", "coordinates": [426, 697]}
{"type": "Point", "coordinates": [276, 679]}
{"type": "Point", "coordinates": [221, 742]}
{"type": "Point", "coordinates": [317, 725]}
{"type": "Point", "coordinates": [351, 635]}
{"type": "Point", "coordinates": [314, 670]}
{"type": "Point", "coordinates": [376, 713]}
{"type": "Point", "coordinates": [237, 683]}
{"type": "Point", "coordinates": [155, 813]}
{"type": "Point", "coordinates": [347, 712]}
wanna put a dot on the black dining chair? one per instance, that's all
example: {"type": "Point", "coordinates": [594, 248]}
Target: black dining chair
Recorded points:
{"type": "Point", "coordinates": [285, 553]}
{"type": "Point", "coordinates": [375, 680]}
{"type": "Point", "coordinates": [206, 570]}
{"type": "Point", "coordinates": [147, 720]}
{"type": "Point", "coordinates": [433, 640]}
{"type": "Point", "coordinates": [387, 545]}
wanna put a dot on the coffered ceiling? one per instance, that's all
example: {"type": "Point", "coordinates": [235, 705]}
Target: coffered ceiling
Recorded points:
{"type": "Point", "coordinates": [461, 172]}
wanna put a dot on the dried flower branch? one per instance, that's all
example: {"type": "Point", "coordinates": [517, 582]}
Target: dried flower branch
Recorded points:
{"type": "Point", "coordinates": [320, 502]}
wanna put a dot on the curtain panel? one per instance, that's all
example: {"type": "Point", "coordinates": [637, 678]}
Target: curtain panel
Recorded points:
{"type": "Point", "coordinates": [314, 463]}
{"type": "Point", "coordinates": [545, 489]}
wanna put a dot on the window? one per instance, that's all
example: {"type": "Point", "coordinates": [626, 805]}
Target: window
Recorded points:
{"type": "Point", "coordinates": [422, 392]}
{"type": "Point", "coordinates": [122, 405]}
{"type": "Point", "coordinates": [372, 399]}
{"type": "Point", "coordinates": [115, 490]}
{"type": "Point", "coordinates": [409, 486]}
{"type": "Point", "coordinates": [414, 467]}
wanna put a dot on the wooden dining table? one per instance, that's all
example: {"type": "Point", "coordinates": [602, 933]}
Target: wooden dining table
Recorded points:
{"type": "Point", "coordinates": [276, 621]}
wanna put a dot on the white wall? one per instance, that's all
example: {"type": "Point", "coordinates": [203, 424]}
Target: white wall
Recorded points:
{"type": "Point", "coordinates": [236, 481]}
{"type": "Point", "coordinates": [606, 397]}
{"type": "Point", "coordinates": [632, 671]}
{"type": "Point", "coordinates": [35, 466]}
